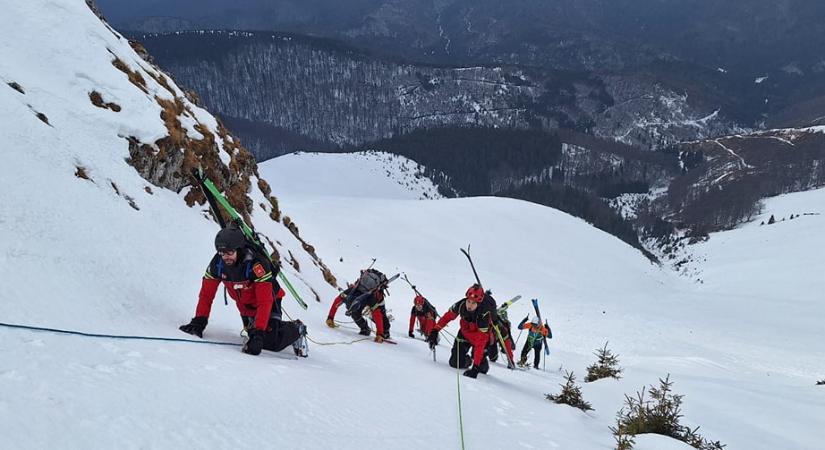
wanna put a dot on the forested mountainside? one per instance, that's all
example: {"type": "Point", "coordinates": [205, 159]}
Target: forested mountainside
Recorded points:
{"type": "Point", "coordinates": [291, 92]}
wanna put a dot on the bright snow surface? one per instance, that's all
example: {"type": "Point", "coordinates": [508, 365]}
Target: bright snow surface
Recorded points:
{"type": "Point", "coordinates": [744, 346]}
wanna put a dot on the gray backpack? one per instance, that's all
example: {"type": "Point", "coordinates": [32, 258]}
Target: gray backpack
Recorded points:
{"type": "Point", "coordinates": [370, 279]}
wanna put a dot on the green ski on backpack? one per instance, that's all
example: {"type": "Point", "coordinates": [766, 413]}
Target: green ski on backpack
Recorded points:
{"type": "Point", "coordinates": [248, 232]}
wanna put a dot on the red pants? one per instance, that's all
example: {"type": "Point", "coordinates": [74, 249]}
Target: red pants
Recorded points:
{"type": "Point", "coordinates": [478, 340]}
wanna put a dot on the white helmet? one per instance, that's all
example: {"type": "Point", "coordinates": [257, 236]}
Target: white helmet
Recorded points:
{"type": "Point", "coordinates": [535, 320]}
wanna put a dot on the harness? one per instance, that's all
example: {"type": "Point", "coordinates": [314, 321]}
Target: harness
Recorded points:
{"type": "Point", "coordinates": [219, 269]}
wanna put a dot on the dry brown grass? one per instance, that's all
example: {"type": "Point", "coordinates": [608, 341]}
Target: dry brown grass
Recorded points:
{"type": "Point", "coordinates": [180, 154]}
{"type": "Point", "coordinates": [287, 221]}
{"type": "Point", "coordinates": [97, 100]}
{"type": "Point", "coordinates": [81, 173]}
{"type": "Point", "coordinates": [264, 187]}
{"type": "Point", "coordinates": [148, 190]}
{"type": "Point", "coordinates": [141, 51]}
{"type": "Point", "coordinates": [193, 97]}
{"type": "Point", "coordinates": [275, 213]}
{"type": "Point", "coordinates": [328, 277]}
{"type": "Point", "coordinates": [134, 76]}
{"type": "Point", "coordinates": [274, 256]}
{"type": "Point", "coordinates": [163, 81]}
{"type": "Point", "coordinates": [293, 261]}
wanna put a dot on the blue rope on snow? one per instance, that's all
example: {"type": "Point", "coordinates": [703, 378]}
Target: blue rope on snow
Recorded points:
{"type": "Point", "coordinates": [113, 336]}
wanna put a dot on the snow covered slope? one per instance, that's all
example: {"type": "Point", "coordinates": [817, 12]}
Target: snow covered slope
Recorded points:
{"type": "Point", "coordinates": [363, 174]}
{"type": "Point", "coordinates": [729, 358]}
{"type": "Point", "coordinates": [77, 255]}
{"type": "Point", "coordinates": [769, 278]}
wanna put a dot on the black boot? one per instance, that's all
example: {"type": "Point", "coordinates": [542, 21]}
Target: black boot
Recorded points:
{"type": "Point", "coordinates": [492, 352]}
{"type": "Point", "coordinates": [300, 346]}
{"type": "Point", "coordinates": [484, 366]}
{"type": "Point", "coordinates": [472, 372]}
{"type": "Point", "coordinates": [364, 332]}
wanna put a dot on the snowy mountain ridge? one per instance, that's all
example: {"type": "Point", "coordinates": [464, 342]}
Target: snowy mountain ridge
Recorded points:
{"type": "Point", "coordinates": [361, 174]}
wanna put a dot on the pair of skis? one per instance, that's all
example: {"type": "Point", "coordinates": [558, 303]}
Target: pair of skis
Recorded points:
{"type": "Point", "coordinates": [538, 314]}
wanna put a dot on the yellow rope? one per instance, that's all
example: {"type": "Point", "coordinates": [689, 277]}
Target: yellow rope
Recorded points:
{"type": "Point", "coordinates": [328, 343]}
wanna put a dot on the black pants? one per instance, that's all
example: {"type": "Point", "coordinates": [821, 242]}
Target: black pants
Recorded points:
{"type": "Point", "coordinates": [461, 355]}
{"type": "Point", "coordinates": [279, 334]}
{"type": "Point", "coordinates": [537, 347]}
{"type": "Point", "coordinates": [359, 320]}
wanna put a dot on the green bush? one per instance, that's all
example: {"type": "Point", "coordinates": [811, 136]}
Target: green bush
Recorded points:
{"type": "Point", "coordinates": [658, 414]}
{"type": "Point", "coordinates": [570, 394]}
{"type": "Point", "coordinates": [606, 367]}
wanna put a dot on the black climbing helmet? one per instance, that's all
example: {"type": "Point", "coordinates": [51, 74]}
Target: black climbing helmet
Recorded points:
{"type": "Point", "coordinates": [229, 238]}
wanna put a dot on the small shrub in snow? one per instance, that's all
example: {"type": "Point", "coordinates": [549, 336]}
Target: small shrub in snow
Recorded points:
{"type": "Point", "coordinates": [81, 173]}
{"type": "Point", "coordinates": [820, 383]}
{"type": "Point", "coordinates": [606, 367]}
{"type": "Point", "coordinates": [570, 394]}
{"type": "Point", "coordinates": [43, 118]}
{"type": "Point", "coordinates": [97, 100]}
{"type": "Point", "coordinates": [658, 414]}
{"type": "Point", "coordinates": [771, 220]}
{"type": "Point", "coordinates": [623, 440]}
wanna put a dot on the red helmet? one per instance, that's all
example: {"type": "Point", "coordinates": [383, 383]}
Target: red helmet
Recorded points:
{"type": "Point", "coordinates": [419, 300]}
{"type": "Point", "coordinates": [475, 293]}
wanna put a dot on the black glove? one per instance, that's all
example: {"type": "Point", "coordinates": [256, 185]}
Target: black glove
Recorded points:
{"type": "Point", "coordinates": [195, 326]}
{"type": "Point", "coordinates": [411, 334]}
{"type": "Point", "coordinates": [255, 343]}
{"type": "Point", "coordinates": [432, 339]}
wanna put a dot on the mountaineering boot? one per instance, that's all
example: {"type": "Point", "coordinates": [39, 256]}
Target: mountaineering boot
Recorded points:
{"type": "Point", "coordinates": [300, 346]}
{"type": "Point", "coordinates": [484, 366]}
{"type": "Point", "coordinates": [492, 352]}
{"type": "Point", "coordinates": [364, 332]}
{"type": "Point", "coordinates": [331, 322]}
{"type": "Point", "coordinates": [472, 372]}
{"type": "Point", "coordinates": [522, 362]}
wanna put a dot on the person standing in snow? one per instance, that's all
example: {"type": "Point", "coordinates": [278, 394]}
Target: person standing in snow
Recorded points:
{"type": "Point", "coordinates": [367, 293]}
{"type": "Point", "coordinates": [536, 333]}
{"type": "Point", "coordinates": [250, 281]}
{"type": "Point", "coordinates": [425, 313]}
{"type": "Point", "coordinates": [474, 331]}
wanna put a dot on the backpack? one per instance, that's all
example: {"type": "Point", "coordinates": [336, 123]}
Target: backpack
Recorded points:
{"type": "Point", "coordinates": [370, 279]}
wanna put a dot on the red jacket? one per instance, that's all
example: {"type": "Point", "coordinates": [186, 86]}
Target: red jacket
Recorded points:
{"type": "Point", "coordinates": [426, 318]}
{"type": "Point", "coordinates": [471, 322]}
{"type": "Point", "coordinates": [249, 282]}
